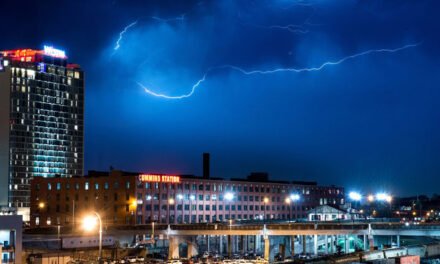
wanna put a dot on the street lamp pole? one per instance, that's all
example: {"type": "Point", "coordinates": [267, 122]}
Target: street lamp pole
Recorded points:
{"type": "Point", "coordinates": [191, 198]}
{"type": "Point", "coordinates": [265, 201]}
{"type": "Point", "coordinates": [288, 201]}
{"type": "Point", "coordinates": [170, 202]}
{"type": "Point", "coordinates": [88, 224]}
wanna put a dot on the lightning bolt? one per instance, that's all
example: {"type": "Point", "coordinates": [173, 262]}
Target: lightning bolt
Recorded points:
{"type": "Point", "coordinates": [277, 70]}
{"type": "Point", "coordinates": [121, 35]}
{"type": "Point", "coordinates": [165, 20]}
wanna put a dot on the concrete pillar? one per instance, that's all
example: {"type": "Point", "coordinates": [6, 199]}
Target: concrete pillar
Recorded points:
{"type": "Point", "coordinates": [207, 243]}
{"type": "Point", "coordinates": [266, 248]}
{"type": "Point", "coordinates": [192, 249]}
{"type": "Point", "coordinates": [292, 246]}
{"type": "Point", "coordinates": [173, 248]}
{"type": "Point", "coordinates": [220, 247]}
{"type": "Point", "coordinates": [371, 242]}
{"type": "Point", "coordinates": [398, 240]}
{"type": "Point", "coordinates": [282, 250]}
{"type": "Point", "coordinates": [365, 243]}
{"type": "Point", "coordinates": [332, 244]}
{"type": "Point", "coordinates": [304, 244]}
{"type": "Point", "coordinates": [244, 243]}
{"type": "Point", "coordinates": [229, 246]}
{"type": "Point", "coordinates": [326, 244]}
{"type": "Point", "coordinates": [315, 245]}
{"type": "Point", "coordinates": [257, 243]}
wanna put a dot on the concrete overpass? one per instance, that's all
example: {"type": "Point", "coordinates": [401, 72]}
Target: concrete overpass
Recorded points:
{"type": "Point", "coordinates": [286, 236]}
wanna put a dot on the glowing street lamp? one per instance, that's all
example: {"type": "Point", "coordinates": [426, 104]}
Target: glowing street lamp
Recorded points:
{"type": "Point", "coordinates": [41, 205]}
{"type": "Point", "coordinates": [370, 198]}
{"type": "Point", "coordinates": [180, 198]}
{"type": "Point", "coordinates": [170, 202]}
{"type": "Point", "coordinates": [265, 202]}
{"type": "Point", "coordinates": [383, 197]}
{"type": "Point", "coordinates": [288, 201]}
{"type": "Point", "coordinates": [229, 197]}
{"type": "Point", "coordinates": [192, 197]}
{"type": "Point", "coordinates": [89, 223]}
{"type": "Point", "coordinates": [355, 196]}
{"type": "Point", "coordinates": [294, 197]}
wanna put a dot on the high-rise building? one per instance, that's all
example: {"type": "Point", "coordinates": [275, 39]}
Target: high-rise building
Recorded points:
{"type": "Point", "coordinates": [41, 120]}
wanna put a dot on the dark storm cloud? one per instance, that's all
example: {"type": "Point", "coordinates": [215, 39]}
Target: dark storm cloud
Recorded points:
{"type": "Point", "coordinates": [370, 122]}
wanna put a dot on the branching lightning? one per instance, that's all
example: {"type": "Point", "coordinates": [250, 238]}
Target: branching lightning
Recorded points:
{"type": "Point", "coordinates": [277, 70]}
{"type": "Point", "coordinates": [121, 35]}
{"type": "Point", "coordinates": [165, 20]}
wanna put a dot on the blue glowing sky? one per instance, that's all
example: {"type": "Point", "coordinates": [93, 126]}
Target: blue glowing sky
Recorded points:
{"type": "Point", "coordinates": [367, 120]}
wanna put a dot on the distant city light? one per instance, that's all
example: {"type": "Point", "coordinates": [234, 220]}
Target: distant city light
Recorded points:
{"type": "Point", "coordinates": [384, 197]}
{"type": "Point", "coordinates": [179, 196]}
{"type": "Point", "coordinates": [370, 198]}
{"type": "Point", "coordinates": [355, 196]}
{"type": "Point", "coordinates": [192, 197]}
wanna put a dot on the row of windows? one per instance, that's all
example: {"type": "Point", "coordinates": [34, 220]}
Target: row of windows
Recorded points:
{"type": "Point", "coordinates": [87, 186]}
{"type": "Point", "coordinates": [238, 188]}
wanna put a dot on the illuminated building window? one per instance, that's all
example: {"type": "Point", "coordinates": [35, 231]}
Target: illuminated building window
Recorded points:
{"type": "Point", "coordinates": [49, 186]}
{"type": "Point", "coordinates": [58, 186]}
{"type": "Point", "coordinates": [86, 186]}
{"type": "Point", "coordinates": [106, 185]}
{"type": "Point", "coordinates": [127, 185]}
{"type": "Point", "coordinates": [96, 186]}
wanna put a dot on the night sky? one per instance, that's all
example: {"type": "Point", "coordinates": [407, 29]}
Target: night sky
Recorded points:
{"type": "Point", "coordinates": [370, 122]}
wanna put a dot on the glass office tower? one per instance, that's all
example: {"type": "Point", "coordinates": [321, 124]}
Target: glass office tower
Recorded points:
{"type": "Point", "coordinates": [41, 120]}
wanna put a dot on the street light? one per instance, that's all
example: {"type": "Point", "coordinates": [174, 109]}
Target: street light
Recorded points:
{"type": "Point", "coordinates": [89, 223]}
{"type": "Point", "coordinates": [295, 198]}
{"type": "Point", "coordinates": [229, 197]}
{"type": "Point", "coordinates": [265, 201]}
{"type": "Point", "coordinates": [180, 198]}
{"type": "Point", "coordinates": [355, 196]}
{"type": "Point", "coordinates": [41, 205]}
{"type": "Point", "coordinates": [192, 197]}
{"type": "Point", "coordinates": [288, 201]}
{"type": "Point", "coordinates": [170, 202]}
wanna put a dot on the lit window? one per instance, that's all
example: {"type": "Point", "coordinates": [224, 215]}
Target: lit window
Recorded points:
{"type": "Point", "coordinates": [86, 186]}
{"type": "Point", "coordinates": [76, 75]}
{"type": "Point", "coordinates": [49, 186]}
{"type": "Point", "coordinates": [58, 186]}
{"type": "Point", "coordinates": [76, 127]}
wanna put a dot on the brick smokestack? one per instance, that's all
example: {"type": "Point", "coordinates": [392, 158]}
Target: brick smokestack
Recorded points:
{"type": "Point", "coordinates": [206, 165]}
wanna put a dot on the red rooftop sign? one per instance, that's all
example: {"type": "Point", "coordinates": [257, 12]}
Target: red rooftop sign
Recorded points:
{"type": "Point", "coordinates": [159, 178]}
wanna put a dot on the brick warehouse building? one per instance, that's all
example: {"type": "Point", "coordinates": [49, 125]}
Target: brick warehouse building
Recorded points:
{"type": "Point", "coordinates": [124, 198]}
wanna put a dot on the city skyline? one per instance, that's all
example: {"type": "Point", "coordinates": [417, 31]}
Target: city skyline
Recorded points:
{"type": "Point", "coordinates": [276, 86]}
